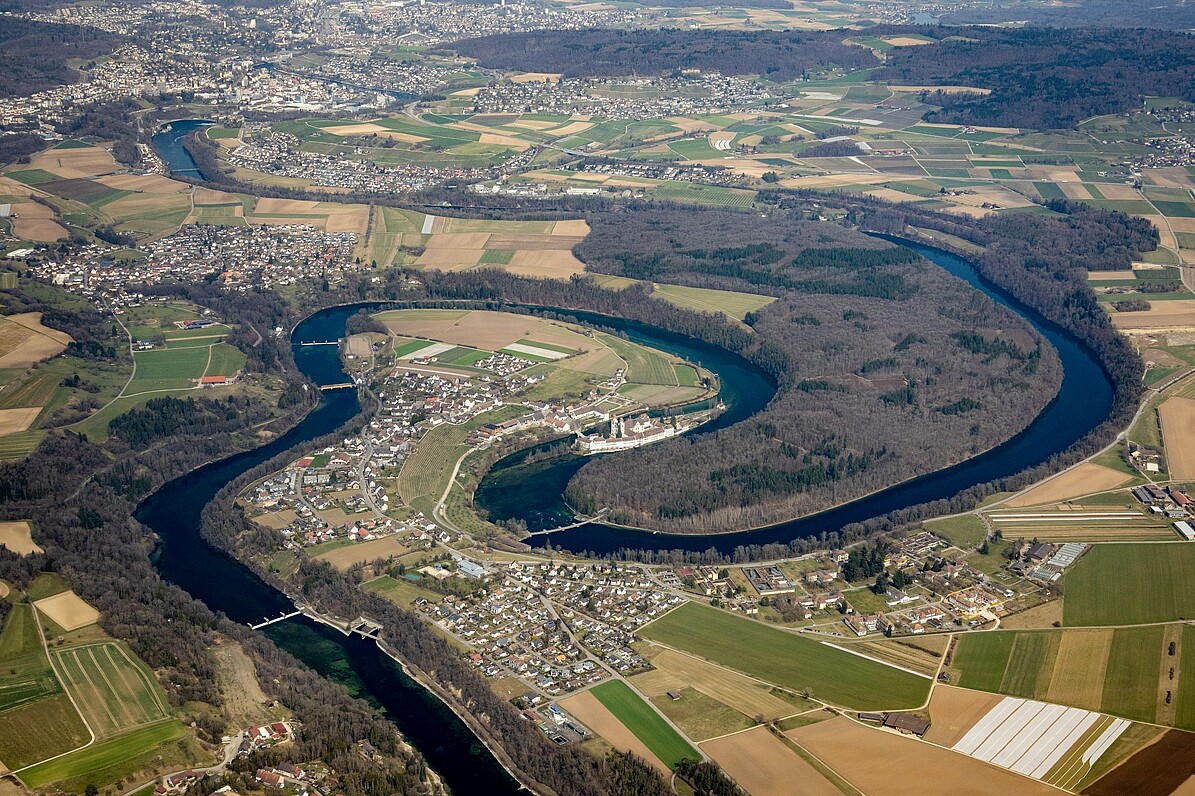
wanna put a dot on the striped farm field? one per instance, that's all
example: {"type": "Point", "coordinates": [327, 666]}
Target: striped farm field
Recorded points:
{"type": "Point", "coordinates": [1122, 672]}
{"type": "Point", "coordinates": [114, 691]}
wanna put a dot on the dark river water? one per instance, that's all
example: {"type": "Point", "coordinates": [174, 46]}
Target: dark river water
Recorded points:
{"type": "Point", "coordinates": [226, 585]}
{"type": "Point", "coordinates": [169, 144]}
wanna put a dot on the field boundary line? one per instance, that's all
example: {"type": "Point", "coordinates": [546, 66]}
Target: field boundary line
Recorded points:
{"type": "Point", "coordinates": [112, 689]}
{"type": "Point", "coordinates": [875, 660]}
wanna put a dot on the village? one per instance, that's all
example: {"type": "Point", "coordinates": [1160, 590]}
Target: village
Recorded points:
{"type": "Point", "coordinates": [281, 154]}
{"type": "Point", "coordinates": [626, 98]}
{"type": "Point", "coordinates": [238, 256]}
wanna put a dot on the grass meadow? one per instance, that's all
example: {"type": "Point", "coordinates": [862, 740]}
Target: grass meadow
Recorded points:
{"type": "Point", "coordinates": [788, 660]}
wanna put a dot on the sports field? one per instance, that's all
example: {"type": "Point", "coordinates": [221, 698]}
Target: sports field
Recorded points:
{"type": "Point", "coordinates": [638, 717]}
{"type": "Point", "coordinates": [1122, 671]}
{"type": "Point", "coordinates": [114, 691]}
{"type": "Point", "coordinates": [788, 660]}
{"type": "Point", "coordinates": [1126, 584]}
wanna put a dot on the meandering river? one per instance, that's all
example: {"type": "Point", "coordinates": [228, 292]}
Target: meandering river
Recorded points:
{"type": "Point", "coordinates": [226, 585]}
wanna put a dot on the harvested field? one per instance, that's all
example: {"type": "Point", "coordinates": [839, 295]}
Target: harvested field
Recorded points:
{"type": "Point", "coordinates": [906, 652]}
{"type": "Point", "coordinates": [13, 421]}
{"type": "Point", "coordinates": [577, 228]}
{"type": "Point", "coordinates": [573, 128]}
{"type": "Point", "coordinates": [953, 711]}
{"type": "Point", "coordinates": [362, 552]}
{"type": "Point", "coordinates": [74, 163]}
{"type": "Point", "coordinates": [1101, 276]}
{"type": "Point", "coordinates": [18, 537]}
{"type": "Point", "coordinates": [532, 241]}
{"type": "Point", "coordinates": [1159, 768]}
{"type": "Point", "coordinates": [740, 692]}
{"type": "Point", "coordinates": [150, 183]}
{"type": "Point", "coordinates": [1162, 315]}
{"type": "Point", "coordinates": [544, 264]}
{"type": "Point", "coordinates": [68, 611]}
{"type": "Point", "coordinates": [281, 207]}
{"type": "Point", "coordinates": [764, 766]}
{"type": "Point", "coordinates": [36, 223]}
{"type": "Point", "coordinates": [210, 196]}
{"type": "Point", "coordinates": [594, 715]}
{"type": "Point", "coordinates": [1085, 479]}
{"type": "Point", "coordinates": [1177, 416]}
{"type": "Point", "coordinates": [1040, 616]}
{"type": "Point", "coordinates": [868, 759]}
{"type": "Point", "coordinates": [449, 259]}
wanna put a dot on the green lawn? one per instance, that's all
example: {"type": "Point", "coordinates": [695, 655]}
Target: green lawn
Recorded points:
{"type": "Point", "coordinates": [646, 725]}
{"type": "Point", "coordinates": [731, 303]}
{"type": "Point", "coordinates": [787, 659]}
{"type": "Point", "coordinates": [1127, 584]}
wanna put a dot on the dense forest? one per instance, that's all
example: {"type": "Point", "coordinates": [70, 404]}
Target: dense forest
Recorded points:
{"type": "Point", "coordinates": [888, 368]}
{"type": "Point", "coordinates": [779, 56]}
{"type": "Point", "coordinates": [35, 54]}
{"type": "Point", "coordinates": [1043, 78]}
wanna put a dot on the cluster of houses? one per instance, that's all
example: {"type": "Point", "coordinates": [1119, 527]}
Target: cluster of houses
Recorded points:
{"type": "Point", "coordinates": [241, 257]}
{"type": "Point", "coordinates": [512, 633]}
{"type": "Point", "coordinates": [282, 155]}
{"type": "Point", "coordinates": [634, 98]}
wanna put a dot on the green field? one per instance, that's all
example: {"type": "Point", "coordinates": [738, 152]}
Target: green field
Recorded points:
{"type": "Point", "coordinates": [110, 760]}
{"type": "Point", "coordinates": [227, 360]}
{"type": "Point", "coordinates": [644, 366]}
{"type": "Point", "coordinates": [1128, 584]}
{"type": "Point", "coordinates": [40, 730]}
{"type": "Point", "coordinates": [1073, 667]}
{"type": "Point", "coordinates": [965, 532]}
{"type": "Point", "coordinates": [728, 302]}
{"type": "Point", "coordinates": [114, 691]}
{"type": "Point", "coordinates": [644, 723]}
{"type": "Point", "coordinates": [25, 673]}
{"type": "Point", "coordinates": [168, 369]}
{"type": "Point", "coordinates": [424, 475]}
{"type": "Point", "coordinates": [788, 660]}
